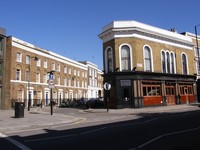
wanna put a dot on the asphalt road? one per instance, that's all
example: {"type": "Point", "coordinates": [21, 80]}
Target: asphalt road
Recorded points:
{"type": "Point", "coordinates": [156, 131]}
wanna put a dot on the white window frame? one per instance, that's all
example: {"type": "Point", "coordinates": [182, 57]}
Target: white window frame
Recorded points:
{"type": "Point", "coordinates": [130, 48]}
{"type": "Point", "coordinates": [19, 57]}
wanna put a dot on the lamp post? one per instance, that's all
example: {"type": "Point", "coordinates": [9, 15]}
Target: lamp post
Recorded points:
{"type": "Point", "coordinates": [51, 86]}
{"type": "Point", "coordinates": [197, 44]}
{"type": "Point", "coordinates": [29, 94]}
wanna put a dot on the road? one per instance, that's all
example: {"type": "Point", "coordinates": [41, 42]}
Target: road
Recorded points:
{"type": "Point", "coordinates": [162, 131]}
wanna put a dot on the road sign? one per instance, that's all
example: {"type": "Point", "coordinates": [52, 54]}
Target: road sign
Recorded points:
{"type": "Point", "coordinates": [107, 86]}
{"type": "Point", "coordinates": [51, 84]}
{"type": "Point", "coordinates": [50, 76]}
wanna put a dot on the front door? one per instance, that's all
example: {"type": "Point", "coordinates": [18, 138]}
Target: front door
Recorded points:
{"type": "Point", "coordinates": [170, 95]}
{"type": "Point", "coordinates": [126, 97]}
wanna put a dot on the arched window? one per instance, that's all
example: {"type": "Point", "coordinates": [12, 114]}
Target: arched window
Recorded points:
{"type": "Point", "coordinates": [125, 58]}
{"type": "Point", "coordinates": [168, 62]}
{"type": "Point", "coordinates": [147, 59]}
{"type": "Point", "coordinates": [109, 60]}
{"type": "Point", "coordinates": [163, 62]}
{"type": "Point", "coordinates": [172, 63]}
{"type": "Point", "coordinates": [184, 64]}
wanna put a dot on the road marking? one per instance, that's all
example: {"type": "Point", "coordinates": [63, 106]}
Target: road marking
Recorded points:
{"type": "Point", "coordinates": [128, 124]}
{"type": "Point", "coordinates": [165, 135]}
{"type": "Point", "coordinates": [50, 138]}
{"type": "Point", "coordinates": [150, 120]}
{"type": "Point", "coordinates": [91, 131]}
{"type": "Point", "coordinates": [16, 143]}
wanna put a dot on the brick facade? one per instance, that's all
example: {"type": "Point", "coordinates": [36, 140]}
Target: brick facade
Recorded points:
{"type": "Point", "coordinates": [26, 76]}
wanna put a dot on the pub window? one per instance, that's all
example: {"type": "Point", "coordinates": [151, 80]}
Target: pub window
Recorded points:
{"type": "Point", "coordinates": [168, 62]}
{"type": "Point", "coordinates": [125, 58]}
{"type": "Point", "coordinates": [163, 62]}
{"type": "Point", "coordinates": [1, 44]}
{"type": "Point", "coordinates": [147, 59]}
{"type": "Point", "coordinates": [184, 64]}
{"type": "Point", "coordinates": [151, 90]}
{"type": "Point", "coordinates": [182, 90]}
{"type": "Point", "coordinates": [109, 60]}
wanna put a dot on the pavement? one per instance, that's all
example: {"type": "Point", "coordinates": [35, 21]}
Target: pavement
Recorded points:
{"type": "Point", "coordinates": [40, 117]}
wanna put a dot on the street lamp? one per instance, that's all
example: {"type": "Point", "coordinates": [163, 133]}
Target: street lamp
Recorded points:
{"type": "Point", "coordinates": [29, 94]}
{"type": "Point", "coordinates": [51, 86]}
{"type": "Point", "coordinates": [197, 44]}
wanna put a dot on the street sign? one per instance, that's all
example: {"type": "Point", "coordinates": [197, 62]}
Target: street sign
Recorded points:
{"type": "Point", "coordinates": [50, 76]}
{"type": "Point", "coordinates": [51, 84]}
{"type": "Point", "coordinates": [107, 86]}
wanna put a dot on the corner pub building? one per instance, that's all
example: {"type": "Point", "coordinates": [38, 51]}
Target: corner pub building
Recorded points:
{"type": "Point", "coordinates": [147, 66]}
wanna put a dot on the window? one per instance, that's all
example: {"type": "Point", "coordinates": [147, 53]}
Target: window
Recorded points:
{"type": "Point", "coordinates": [45, 77]}
{"type": "Point", "coordinates": [19, 57]}
{"type": "Point", "coordinates": [151, 90]}
{"type": "Point", "coordinates": [69, 82]}
{"type": "Point", "coordinates": [53, 66]}
{"type": "Point", "coordinates": [147, 59]}
{"type": "Point", "coordinates": [109, 59]}
{"type": "Point", "coordinates": [45, 63]}
{"type": "Point", "coordinates": [28, 60]}
{"type": "Point", "coordinates": [27, 75]}
{"type": "Point", "coordinates": [58, 67]}
{"type": "Point", "coordinates": [38, 77]}
{"type": "Point", "coordinates": [18, 74]}
{"type": "Point", "coordinates": [69, 70]}
{"type": "Point", "coordinates": [168, 62]}
{"type": "Point", "coordinates": [172, 63]}
{"type": "Point", "coordinates": [1, 44]}
{"type": "Point", "coordinates": [65, 69]}
{"type": "Point", "coordinates": [125, 58]}
{"type": "Point", "coordinates": [74, 82]}
{"type": "Point", "coordinates": [184, 64]}
{"type": "Point", "coordinates": [90, 72]}
{"type": "Point", "coordinates": [38, 62]}
{"type": "Point", "coordinates": [163, 62]}
{"type": "Point", "coordinates": [65, 82]}
{"type": "Point", "coordinates": [58, 80]}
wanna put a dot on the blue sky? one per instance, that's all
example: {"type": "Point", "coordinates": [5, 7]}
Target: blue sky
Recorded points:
{"type": "Point", "coordinates": [71, 27]}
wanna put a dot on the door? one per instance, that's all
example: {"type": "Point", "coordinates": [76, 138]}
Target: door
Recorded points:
{"type": "Point", "coordinates": [170, 95]}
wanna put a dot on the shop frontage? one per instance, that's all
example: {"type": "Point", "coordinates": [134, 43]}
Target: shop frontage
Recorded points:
{"type": "Point", "coordinates": [142, 89]}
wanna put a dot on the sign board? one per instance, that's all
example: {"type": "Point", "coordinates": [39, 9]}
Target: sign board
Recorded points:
{"type": "Point", "coordinates": [50, 76]}
{"type": "Point", "coordinates": [51, 84]}
{"type": "Point", "coordinates": [107, 86]}
{"type": "Point", "coordinates": [125, 82]}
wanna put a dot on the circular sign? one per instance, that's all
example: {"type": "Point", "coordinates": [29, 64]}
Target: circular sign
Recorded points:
{"type": "Point", "coordinates": [107, 86]}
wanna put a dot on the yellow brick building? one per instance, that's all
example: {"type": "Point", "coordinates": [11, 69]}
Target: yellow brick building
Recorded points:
{"type": "Point", "coordinates": [147, 66]}
{"type": "Point", "coordinates": [26, 76]}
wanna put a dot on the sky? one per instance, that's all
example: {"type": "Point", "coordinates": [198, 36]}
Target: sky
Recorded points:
{"type": "Point", "coordinates": [71, 27]}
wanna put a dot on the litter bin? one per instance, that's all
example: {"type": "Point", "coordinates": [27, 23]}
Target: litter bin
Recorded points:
{"type": "Point", "coordinates": [19, 109]}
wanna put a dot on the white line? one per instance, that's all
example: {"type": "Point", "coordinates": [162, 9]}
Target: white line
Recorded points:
{"type": "Point", "coordinates": [16, 143]}
{"type": "Point", "coordinates": [150, 120]}
{"type": "Point", "coordinates": [93, 130]}
{"type": "Point", "coordinates": [50, 138]}
{"type": "Point", "coordinates": [167, 134]}
{"type": "Point", "coordinates": [122, 125]}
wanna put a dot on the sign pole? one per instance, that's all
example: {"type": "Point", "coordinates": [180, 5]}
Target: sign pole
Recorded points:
{"type": "Point", "coordinates": [51, 86]}
{"type": "Point", "coordinates": [51, 102]}
{"type": "Point", "coordinates": [107, 87]}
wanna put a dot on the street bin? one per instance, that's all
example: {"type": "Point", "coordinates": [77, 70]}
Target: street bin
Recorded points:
{"type": "Point", "coordinates": [19, 109]}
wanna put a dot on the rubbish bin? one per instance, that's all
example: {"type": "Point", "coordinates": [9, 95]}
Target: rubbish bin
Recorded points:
{"type": "Point", "coordinates": [19, 109]}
